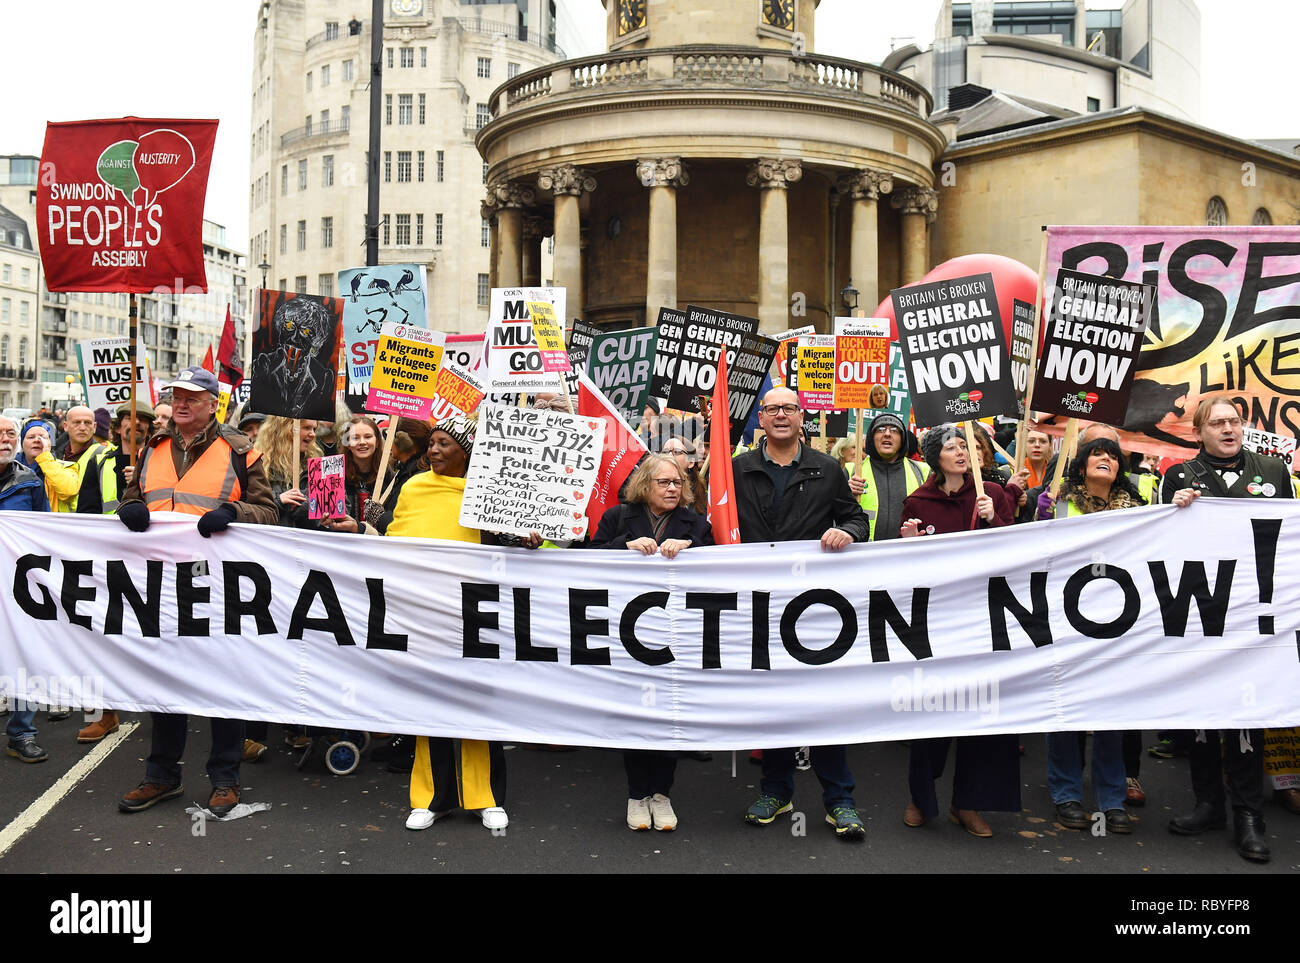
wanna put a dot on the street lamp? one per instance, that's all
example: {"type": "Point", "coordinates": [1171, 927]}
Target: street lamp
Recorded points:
{"type": "Point", "coordinates": [264, 266]}
{"type": "Point", "coordinates": [189, 341]}
{"type": "Point", "coordinates": [849, 297]}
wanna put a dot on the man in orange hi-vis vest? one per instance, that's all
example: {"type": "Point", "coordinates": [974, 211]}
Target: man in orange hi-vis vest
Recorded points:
{"type": "Point", "coordinates": [202, 468]}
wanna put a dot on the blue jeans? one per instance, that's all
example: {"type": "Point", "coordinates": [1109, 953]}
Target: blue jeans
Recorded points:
{"type": "Point", "coordinates": [1065, 768]}
{"type": "Point", "coordinates": [22, 724]}
{"type": "Point", "coordinates": [829, 762]}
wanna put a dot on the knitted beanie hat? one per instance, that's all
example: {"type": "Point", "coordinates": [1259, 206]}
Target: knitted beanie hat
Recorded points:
{"type": "Point", "coordinates": [460, 428]}
{"type": "Point", "coordinates": [934, 440]}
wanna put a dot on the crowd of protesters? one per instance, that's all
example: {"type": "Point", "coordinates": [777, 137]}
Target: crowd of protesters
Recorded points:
{"type": "Point", "coordinates": [176, 456]}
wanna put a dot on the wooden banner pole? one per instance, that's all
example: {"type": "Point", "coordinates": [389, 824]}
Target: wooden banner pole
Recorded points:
{"type": "Point", "coordinates": [1063, 457]}
{"type": "Point", "coordinates": [297, 455]}
{"type": "Point", "coordinates": [380, 491]}
{"type": "Point", "coordinates": [973, 456]}
{"type": "Point", "coordinates": [858, 455]}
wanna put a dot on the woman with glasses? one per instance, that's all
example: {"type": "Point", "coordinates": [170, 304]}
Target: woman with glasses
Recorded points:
{"type": "Point", "coordinates": [683, 452]}
{"type": "Point", "coordinates": [655, 519]}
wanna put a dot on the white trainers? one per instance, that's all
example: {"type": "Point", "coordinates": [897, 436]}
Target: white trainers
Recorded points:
{"type": "Point", "coordinates": [422, 819]}
{"type": "Point", "coordinates": [638, 814]}
{"type": "Point", "coordinates": [495, 818]}
{"type": "Point", "coordinates": [661, 809]}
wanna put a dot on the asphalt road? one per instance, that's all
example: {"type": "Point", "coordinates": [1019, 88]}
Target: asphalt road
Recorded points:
{"type": "Point", "coordinates": [567, 816]}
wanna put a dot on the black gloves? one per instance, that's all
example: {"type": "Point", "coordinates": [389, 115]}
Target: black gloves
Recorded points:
{"type": "Point", "coordinates": [217, 520]}
{"type": "Point", "coordinates": [134, 515]}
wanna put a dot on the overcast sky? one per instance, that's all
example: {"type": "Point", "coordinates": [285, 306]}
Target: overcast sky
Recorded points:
{"type": "Point", "coordinates": [80, 59]}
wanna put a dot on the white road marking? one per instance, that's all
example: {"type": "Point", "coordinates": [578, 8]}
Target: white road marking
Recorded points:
{"type": "Point", "coordinates": [26, 820]}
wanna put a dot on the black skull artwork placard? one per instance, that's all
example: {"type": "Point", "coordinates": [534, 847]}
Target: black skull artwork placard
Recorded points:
{"type": "Point", "coordinates": [296, 355]}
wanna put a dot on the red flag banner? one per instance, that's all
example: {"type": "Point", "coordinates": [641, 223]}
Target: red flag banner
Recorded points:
{"type": "Point", "coordinates": [620, 454]}
{"type": "Point", "coordinates": [232, 368]}
{"type": "Point", "coordinates": [119, 204]}
{"type": "Point", "coordinates": [722, 484]}
{"type": "Point", "coordinates": [208, 363]}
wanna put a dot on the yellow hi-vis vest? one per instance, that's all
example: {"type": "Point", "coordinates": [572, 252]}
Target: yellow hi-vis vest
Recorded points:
{"type": "Point", "coordinates": [914, 475]}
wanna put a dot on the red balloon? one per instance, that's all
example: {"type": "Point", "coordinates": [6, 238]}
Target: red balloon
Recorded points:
{"type": "Point", "coordinates": [1011, 279]}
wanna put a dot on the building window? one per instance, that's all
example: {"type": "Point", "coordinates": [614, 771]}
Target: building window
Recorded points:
{"type": "Point", "coordinates": [1261, 217]}
{"type": "Point", "coordinates": [300, 284]}
{"type": "Point", "coordinates": [302, 174]}
{"type": "Point", "coordinates": [440, 165]}
{"type": "Point", "coordinates": [325, 285]}
{"type": "Point", "coordinates": [345, 117]}
{"type": "Point", "coordinates": [284, 284]}
{"type": "Point", "coordinates": [512, 70]}
{"type": "Point", "coordinates": [419, 230]}
{"type": "Point", "coordinates": [403, 230]}
{"type": "Point", "coordinates": [23, 308]}
{"type": "Point", "coordinates": [325, 75]}
{"type": "Point", "coordinates": [485, 172]}
{"type": "Point", "coordinates": [388, 110]}
{"type": "Point", "coordinates": [422, 104]}
{"type": "Point", "coordinates": [307, 124]}
{"type": "Point", "coordinates": [284, 180]}
{"type": "Point", "coordinates": [403, 167]}
{"type": "Point", "coordinates": [484, 69]}
{"type": "Point", "coordinates": [331, 30]}
{"type": "Point", "coordinates": [302, 235]}
{"type": "Point", "coordinates": [1094, 105]}
{"type": "Point", "coordinates": [327, 232]}
{"type": "Point", "coordinates": [485, 234]}
{"type": "Point", "coordinates": [437, 230]}
{"type": "Point", "coordinates": [324, 121]}
{"type": "Point", "coordinates": [4, 350]}
{"type": "Point", "coordinates": [388, 166]}
{"type": "Point", "coordinates": [482, 115]}
{"type": "Point", "coordinates": [8, 273]}
{"type": "Point", "coordinates": [424, 56]}
{"type": "Point", "coordinates": [327, 170]}
{"type": "Point", "coordinates": [1216, 212]}
{"type": "Point", "coordinates": [6, 309]}
{"type": "Point", "coordinates": [419, 167]}
{"type": "Point", "coordinates": [408, 57]}
{"type": "Point", "coordinates": [390, 58]}
{"type": "Point", "coordinates": [483, 290]}
{"type": "Point", "coordinates": [309, 80]}
{"type": "Point", "coordinates": [22, 353]}
{"type": "Point", "coordinates": [404, 108]}
{"type": "Point", "coordinates": [347, 70]}
{"type": "Point", "coordinates": [284, 238]}
{"type": "Point", "coordinates": [385, 227]}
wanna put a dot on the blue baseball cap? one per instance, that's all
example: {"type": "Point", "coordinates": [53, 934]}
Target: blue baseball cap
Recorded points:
{"type": "Point", "coordinates": [195, 379]}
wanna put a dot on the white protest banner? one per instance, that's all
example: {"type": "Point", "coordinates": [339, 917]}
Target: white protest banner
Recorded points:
{"type": "Point", "coordinates": [941, 635]}
{"type": "Point", "coordinates": [513, 358]}
{"type": "Point", "coordinates": [106, 371]}
{"type": "Point", "coordinates": [1270, 444]}
{"type": "Point", "coordinates": [457, 391]}
{"type": "Point", "coordinates": [532, 471]}
{"type": "Point", "coordinates": [406, 371]}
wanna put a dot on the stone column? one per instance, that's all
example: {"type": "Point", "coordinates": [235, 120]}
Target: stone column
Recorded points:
{"type": "Point", "coordinates": [773, 176]}
{"type": "Point", "coordinates": [508, 201]}
{"type": "Point", "coordinates": [568, 183]}
{"type": "Point", "coordinates": [865, 187]}
{"type": "Point", "coordinates": [918, 206]}
{"type": "Point", "coordinates": [535, 230]}
{"type": "Point", "coordinates": [663, 175]}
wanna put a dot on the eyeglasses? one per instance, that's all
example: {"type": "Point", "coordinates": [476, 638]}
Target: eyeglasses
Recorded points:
{"type": "Point", "coordinates": [674, 451]}
{"type": "Point", "coordinates": [779, 409]}
{"type": "Point", "coordinates": [888, 429]}
{"type": "Point", "coordinates": [1218, 423]}
{"type": "Point", "coordinates": [668, 482]}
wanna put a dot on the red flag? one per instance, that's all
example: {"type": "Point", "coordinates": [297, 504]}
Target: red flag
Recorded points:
{"type": "Point", "coordinates": [231, 371]}
{"type": "Point", "coordinates": [119, 204]}
{"type": "Point", "coordinates": [623, 449]}
{"type": "Point", "coordinates": [208, 364]}
{"type": "Point", "coordinates": [722, 484]}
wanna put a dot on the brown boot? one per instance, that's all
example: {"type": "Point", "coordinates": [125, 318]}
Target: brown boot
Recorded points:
{"type": "Point", "coordinates": [101, 727]}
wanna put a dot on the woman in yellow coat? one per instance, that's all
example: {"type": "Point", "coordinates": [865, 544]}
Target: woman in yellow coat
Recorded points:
{"type": "Point", "coordinates": [448, 773]}
{"type": "Point", "coordinates": [61, 478]}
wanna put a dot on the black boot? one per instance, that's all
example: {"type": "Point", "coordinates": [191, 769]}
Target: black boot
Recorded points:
{"type": "Point", "coordinates": [1250, 835]}
{"type": "Point", "coordinates": [1204, 817]}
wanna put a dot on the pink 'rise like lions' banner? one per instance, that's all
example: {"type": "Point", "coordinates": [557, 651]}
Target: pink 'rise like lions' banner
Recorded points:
{"type": "Point", "coordinates": [1227, 319]}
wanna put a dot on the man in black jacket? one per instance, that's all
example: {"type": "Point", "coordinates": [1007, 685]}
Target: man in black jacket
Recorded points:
{"type": "Point", "coordinates": [786, 491]}
{"type": "Point", "coordinates": [1223, 469]}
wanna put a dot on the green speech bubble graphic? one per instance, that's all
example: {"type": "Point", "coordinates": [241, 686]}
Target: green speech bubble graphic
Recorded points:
{"type": "Point", "coordinates": [116, 167]}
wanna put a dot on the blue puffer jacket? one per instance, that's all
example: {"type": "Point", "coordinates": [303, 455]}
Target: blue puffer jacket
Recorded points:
{"type": "Point", "coordinates": [21, 490]}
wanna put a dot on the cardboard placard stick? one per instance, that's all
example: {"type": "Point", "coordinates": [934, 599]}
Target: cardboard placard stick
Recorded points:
{"type": "Point", "coordinates": [857, 464]}
{"type": "Point", "coordinates": [822, 418]}
{"type": "Point", "coordinates": [1022, 428]}
{"type": "Point", "coordinates": [383, 461]}
{"type": "Point", "coordinates": [973, 456]}
{"type": "Point", "coordinates": [297, 442]}
{"type": "Point", "coordinates": [1063, 457]}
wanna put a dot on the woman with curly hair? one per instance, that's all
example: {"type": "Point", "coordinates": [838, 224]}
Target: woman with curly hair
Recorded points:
{"type": "Point", "coordinates": [275, 442]}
